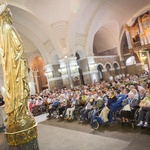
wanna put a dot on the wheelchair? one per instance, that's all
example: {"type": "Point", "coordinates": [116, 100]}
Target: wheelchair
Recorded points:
{"type": "Point", "coordinates": [37, 110]}
{"type": "Point", "coordinates": [53, 112]}
{"type": "Point", "coordinates": [76, 112]}
{"type": "Point", "coordinates": [137, 115]}
{"type": "Point", "coordinates": [117, 115]}
{"type": "Point", "coordinates": [96, 123]}
{"type": "Point", "coordinates": [133, 118]}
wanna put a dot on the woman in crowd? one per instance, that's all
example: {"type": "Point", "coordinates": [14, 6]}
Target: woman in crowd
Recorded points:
{"type": "Point", "coordinates": [128, 105]}
{"type": "Point", "coordinates": [64, 104]}
{"type": "Point", "coordinates": [144, 113]}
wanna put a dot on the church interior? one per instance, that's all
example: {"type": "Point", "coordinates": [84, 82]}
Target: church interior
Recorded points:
{"type": "Point", "coordinates": [73, 43]}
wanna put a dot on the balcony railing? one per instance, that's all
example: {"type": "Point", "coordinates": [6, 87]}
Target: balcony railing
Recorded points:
{"type": "Point", "coordinates": [137, 46]}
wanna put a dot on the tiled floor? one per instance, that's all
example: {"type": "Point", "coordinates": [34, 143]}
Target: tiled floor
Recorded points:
{"type": "Point", "coordinates": [40, 118]}
{"type": "Point", "coordinates": [56, 134]}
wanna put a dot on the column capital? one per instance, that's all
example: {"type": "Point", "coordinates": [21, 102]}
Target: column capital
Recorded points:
{"type": "Point", "coordinates": [91, 63]}
{"type": "Point", "coordinates": [48, 68]}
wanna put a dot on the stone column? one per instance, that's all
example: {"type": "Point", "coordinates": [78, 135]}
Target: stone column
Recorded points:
{"type": "Point", "coordinates": [105, 74]}
{"type": "Point", "coordinates": [64, 73]}
{"type": "Point", "coordinates": [93, 69]}
{"type": "Point", "coordinates": [31, 83]}
{"type": "Point", "coordinates": [49, 74]}
{"type": "Point", "coordinates": [123, 65]}
{"type": "Point", "coordinates": [69, 70]}
{"type": "Point", "coordinates": [84, 67]}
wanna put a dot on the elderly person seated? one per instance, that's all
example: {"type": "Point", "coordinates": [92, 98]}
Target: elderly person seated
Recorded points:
{"type": "Point", "coordinates": [69, 111]}
{"type": "Point", "coordinates": [117, 105]}
{"type": "Point", "coordinates": [136, 94]}
{"type": "Point", "coordinates": [103, 117]}
{"type": "Point", "coordinates": [144, 113]}
{"type": "Point", "coordinates": [142, 93]}
{"type": "Point", "coordinates": [129, 105]}
{"type": "Point", "coordinates": [84, 111]}
{"type": "Point", "coordinates": [53, 106]}
{"type": "Point", "coordinates": [97, 104]}
{"type": "Point", "coordinates": [64, 104]}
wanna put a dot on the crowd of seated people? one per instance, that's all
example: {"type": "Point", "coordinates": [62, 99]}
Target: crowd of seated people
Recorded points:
{"type": "Point", "coordinates": [99, 101]}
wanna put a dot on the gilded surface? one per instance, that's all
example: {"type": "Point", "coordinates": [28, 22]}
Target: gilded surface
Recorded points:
{"type": "Point", "coordinates": [22, 137]}
{"type": "Point", "coordinates": [15, 69]}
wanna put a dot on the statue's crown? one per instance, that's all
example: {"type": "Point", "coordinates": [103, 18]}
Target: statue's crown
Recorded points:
{"type": "Point", "coordinates": [3, 7]}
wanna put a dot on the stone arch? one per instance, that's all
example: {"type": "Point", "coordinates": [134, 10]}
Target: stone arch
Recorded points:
{"type": "Point", "coordinates": [115, 62]}
{"type": "Point", "coordinates": [92, 31]}
{"type": "Point", "coordinates": [116, 67]}
{"type": "Point", "coordinates": [104, 41]}
{"type": "Point", "coordinates": [36, 41]}
{"type": "Point", "coordinates": [81, 53]}
{"type": "Point", "coordinates": [73, 28]}
{"type": "Point", "coordinates": [48, 29]}
{"type": "Point", "coordinates": [54, 58]}
{"type": "Point", "coordinates": [101, 65]}
{"type": "Point", "coordinates": [108, 67]}
{"type": "Point", "coordinates": [39, 77]}
{"type": "Point", "coordinates": [32, 56]}
{"type": "Point", "coordinates": [108, 63]}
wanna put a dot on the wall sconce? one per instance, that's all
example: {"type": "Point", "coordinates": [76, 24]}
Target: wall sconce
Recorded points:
{"type": "Point", "coordinates": [49, 75]}
{"type": "Point", "coordinates": [143, 58]}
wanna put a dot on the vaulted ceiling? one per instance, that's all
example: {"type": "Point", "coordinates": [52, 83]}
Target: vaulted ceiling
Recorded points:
{"type": "Point", "coordinates": [50, 27]}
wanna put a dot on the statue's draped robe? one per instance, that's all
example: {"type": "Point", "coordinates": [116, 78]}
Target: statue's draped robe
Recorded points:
{"type": "Point", "coordinates": [15, 68]}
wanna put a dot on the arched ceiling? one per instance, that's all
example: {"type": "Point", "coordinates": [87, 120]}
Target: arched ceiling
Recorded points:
{"type": "Point", "coordinates": [49, 26]}
{"type": "Point", "coordinates": [106, 37]}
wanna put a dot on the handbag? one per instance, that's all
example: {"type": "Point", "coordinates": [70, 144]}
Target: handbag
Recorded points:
{"type": "Point", "coordinates": [127, 108]}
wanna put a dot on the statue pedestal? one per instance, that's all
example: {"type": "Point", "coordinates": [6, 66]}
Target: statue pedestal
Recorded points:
{"type": "Point", "coordinates": [23, 140]}
{"type": "Point", "coordinates": [32, 145]}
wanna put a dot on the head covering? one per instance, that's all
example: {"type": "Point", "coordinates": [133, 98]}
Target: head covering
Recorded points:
{"type": "Point", "coordinates": [3, 7]}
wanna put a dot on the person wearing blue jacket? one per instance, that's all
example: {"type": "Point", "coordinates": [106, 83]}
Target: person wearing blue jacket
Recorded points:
{"type": "Point", "coordinates": [117, 105]}
{"type": "Point", "coordinates": [120, 97]}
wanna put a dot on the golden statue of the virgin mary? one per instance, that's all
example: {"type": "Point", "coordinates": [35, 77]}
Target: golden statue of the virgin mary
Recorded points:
{"type": "Point", "coordinates": [15, 69]}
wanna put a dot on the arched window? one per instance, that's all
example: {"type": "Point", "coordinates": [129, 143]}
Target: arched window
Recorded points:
{"type": "Point", "coordinates": [115, 67]}
{"type": "Point", "coordinates": [100, 68]}
{"type": "Point", "coordinates": [108, 69]}
{"type": "Point", "coordinates": [39, 77]}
